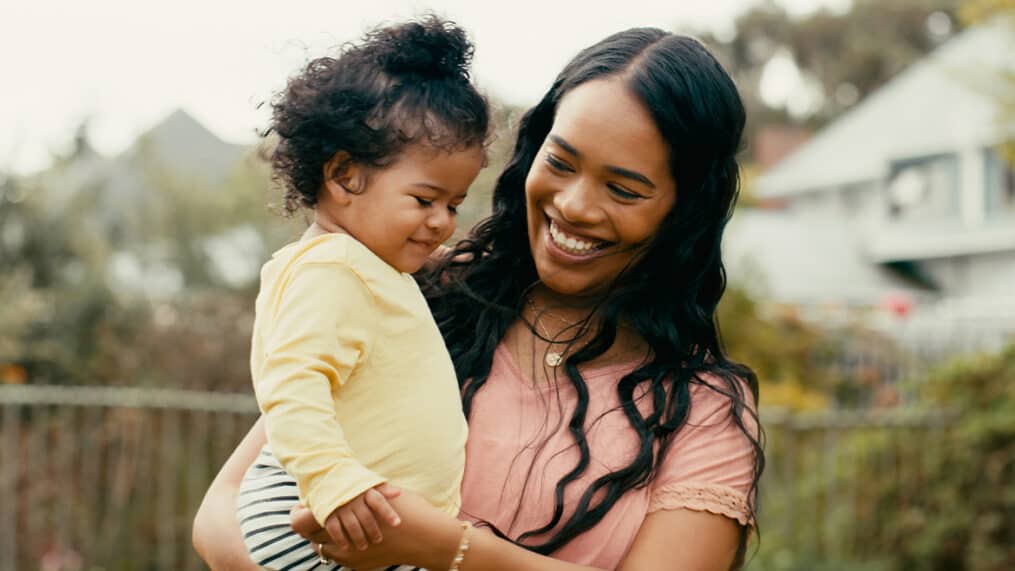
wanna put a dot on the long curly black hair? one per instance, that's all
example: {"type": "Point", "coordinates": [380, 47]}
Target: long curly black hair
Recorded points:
{"type": "Point", "coordinates": [669, 296]}
{"type": "Point", "coordinates": [399, 85]}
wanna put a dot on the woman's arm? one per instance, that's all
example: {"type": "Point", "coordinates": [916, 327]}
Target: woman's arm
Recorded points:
{"type": "Point", "coordinates": [429, 538]}
{"type": "Point", "coordinates": [216, 534]}
{"type": "Point", "coordinates": [708, 542]}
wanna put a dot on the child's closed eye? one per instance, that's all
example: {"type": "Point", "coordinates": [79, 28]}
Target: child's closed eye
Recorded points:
{"type": "Point", "coordinates": [427, 203]}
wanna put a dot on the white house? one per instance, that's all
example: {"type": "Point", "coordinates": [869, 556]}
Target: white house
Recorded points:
{"type": "Point", "coordinates": [904, 193]}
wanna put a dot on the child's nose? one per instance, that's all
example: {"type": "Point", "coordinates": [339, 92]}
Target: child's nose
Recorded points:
{"type": "Point", "coordinates": [440, 220]}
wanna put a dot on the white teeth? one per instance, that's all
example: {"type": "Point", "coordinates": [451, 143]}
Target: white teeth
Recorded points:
{"type": "Point", "coordinates": [569, 243]}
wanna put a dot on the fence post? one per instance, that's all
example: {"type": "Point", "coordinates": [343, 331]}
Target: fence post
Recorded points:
{"type": "Point", "coordinates": [35, 516]}
{"type": "Point", "coordinates": [789, 470]}
{"type": "Point", "coordinates": [9, 488]}
{"type": "Point", "coordinates": [88, 520]}
{"type": "Point", "coordinates": [831, 489]}
{"type": "Point", "coordinates": [166, 512]}
{"type": "Point", "coordinates": [197, 479]}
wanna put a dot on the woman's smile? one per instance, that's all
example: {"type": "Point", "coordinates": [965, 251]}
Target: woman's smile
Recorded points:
{"type": "Point", "coordinates": [574, 245]}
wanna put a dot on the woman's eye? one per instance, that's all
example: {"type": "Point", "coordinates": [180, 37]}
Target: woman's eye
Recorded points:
{"type": "Point", "coordinates": [623, 192]}
{"type": "Point", "coordinates": [557, 164]}
{"type": "Point", "coordinates": [424, 202]}
{"type": "Point", "coordinates": [453, 209]}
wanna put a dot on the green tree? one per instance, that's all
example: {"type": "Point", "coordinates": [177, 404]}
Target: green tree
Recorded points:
{"type": "Point", "coordinates": [846, 55]}
{"type": "Point", "coordinates": [71, 314]}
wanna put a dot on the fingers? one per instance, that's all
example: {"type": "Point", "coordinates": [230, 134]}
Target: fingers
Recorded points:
{"type": "Point", "coordinates": [388, 491]}
{"type": "Point", "coordinates": [352, 527]}
{"type": "Point", "coordinates": [333, 552]}
{"type": "Point", "coordinates": [377, 501]}
{"type": "Point", "coordinates": [336, 531]}
{"type": "Point", "coordinates": [368, 522]}
{"type": "Point", "coordinates": [320, 536]}
{"type": "Point", "coordinates": [302, 521]}
{"type": "Point", "coordinates": [353, 524]}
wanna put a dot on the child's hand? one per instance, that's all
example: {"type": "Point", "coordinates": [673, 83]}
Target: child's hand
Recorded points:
{"type": "Point", "coordinates": [357, 521]}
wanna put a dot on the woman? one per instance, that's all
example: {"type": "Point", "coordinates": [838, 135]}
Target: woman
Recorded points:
{"type": "Point", "coordinates": [607, 427]}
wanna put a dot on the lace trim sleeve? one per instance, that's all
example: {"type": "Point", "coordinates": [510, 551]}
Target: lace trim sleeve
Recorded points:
{"type": "Point", "coordinates": [712, 498]}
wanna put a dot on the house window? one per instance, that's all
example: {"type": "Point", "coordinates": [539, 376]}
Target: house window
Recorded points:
{"type": "Point", "coordinates": [924, 189]}
{"type": "Point", "coordinates": [1000, 186]}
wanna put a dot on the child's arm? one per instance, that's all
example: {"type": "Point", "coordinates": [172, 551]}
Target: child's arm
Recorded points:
{"type": "Point", "coordinates": [320, 328]}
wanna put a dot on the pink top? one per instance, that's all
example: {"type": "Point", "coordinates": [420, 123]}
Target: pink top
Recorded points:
{"type": "Point", "coordinates": [709, 465]}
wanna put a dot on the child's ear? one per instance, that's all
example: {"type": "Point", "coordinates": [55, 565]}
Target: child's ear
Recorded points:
{"type": "Point", "coordinates": [343, 177]}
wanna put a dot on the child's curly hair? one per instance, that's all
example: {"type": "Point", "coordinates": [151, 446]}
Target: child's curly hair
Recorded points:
{"type": "Point", "coordinates": [401, 84]}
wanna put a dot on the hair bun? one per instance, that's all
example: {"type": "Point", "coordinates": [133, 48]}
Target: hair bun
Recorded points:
{"type": "Point", "coordinates": [430, 47]}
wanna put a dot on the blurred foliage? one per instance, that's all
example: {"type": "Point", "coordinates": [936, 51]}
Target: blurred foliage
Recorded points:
{"type": "Point", "coordinates": [975, 11]}
{"type": "Point", "coordinates": [961, 519]}
{"type": "Point", "coordinates": [842, 55]}
{"type": "Point", "coordinates": [779, 349]}
{"type": "Point", "coordinates": [804, 364]}
{"type": "Point", "coordinates": [100, 288]}
{"type": "Point", "coordinates": [847, 55]}
{"type": "Point", "coordinates": [932, 496]}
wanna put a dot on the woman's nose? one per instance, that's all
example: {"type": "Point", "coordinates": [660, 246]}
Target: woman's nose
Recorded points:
{"type": "Point", "coordinates": [577, 203]}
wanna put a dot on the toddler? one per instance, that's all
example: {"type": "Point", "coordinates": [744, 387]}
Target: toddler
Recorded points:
{"type": "Point", "coordinates": [349, 368]}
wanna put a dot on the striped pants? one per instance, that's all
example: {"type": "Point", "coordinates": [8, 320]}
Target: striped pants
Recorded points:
{"type": "Point", "coordinates": [267, 494]}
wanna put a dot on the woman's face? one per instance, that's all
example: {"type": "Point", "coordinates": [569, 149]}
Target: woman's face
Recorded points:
{"type": "Point", "coordinates": [598, 189]}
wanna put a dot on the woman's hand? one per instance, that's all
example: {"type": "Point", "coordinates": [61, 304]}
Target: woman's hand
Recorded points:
{"type": "Point", "coordinates": [427, 537]}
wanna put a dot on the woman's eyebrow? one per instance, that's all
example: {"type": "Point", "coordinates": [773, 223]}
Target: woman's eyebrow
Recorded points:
{"type": "Point", "coordinates": [560, 142]}
{"type": "Point", "coordinates": [633, 175]}
{"type": "Point", "coordinates": [620, 171]}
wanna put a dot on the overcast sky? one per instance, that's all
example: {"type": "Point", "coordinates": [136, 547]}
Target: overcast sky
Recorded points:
{"type": "Point", "coordinates": [126, 65]}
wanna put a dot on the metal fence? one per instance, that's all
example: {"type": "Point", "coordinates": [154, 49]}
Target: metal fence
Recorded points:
{"type": "Point", "coordinates": [109, 478]}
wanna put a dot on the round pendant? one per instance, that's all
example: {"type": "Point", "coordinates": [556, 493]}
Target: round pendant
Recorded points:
{"type": "Point", "coordinates": [554, 358]}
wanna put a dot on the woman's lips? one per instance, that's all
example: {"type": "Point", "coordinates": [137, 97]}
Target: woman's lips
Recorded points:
{"type": "Point", "coordinates": [572, 247]}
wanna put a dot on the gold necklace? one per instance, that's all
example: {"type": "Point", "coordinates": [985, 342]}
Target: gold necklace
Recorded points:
{"type": "Point", "coordinates": [553, 359]}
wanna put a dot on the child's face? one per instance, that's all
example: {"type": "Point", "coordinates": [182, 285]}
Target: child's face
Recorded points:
{"type": "Point", "coordinates": [408, 208]}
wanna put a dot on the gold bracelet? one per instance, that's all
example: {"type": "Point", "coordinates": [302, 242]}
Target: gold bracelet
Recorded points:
{"type": "Point", "coordinates": [463, 546]}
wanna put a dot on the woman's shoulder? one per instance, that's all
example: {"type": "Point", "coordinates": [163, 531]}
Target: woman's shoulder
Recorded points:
{"type": "Point", "coordinates": [715, 398]}
{"type": "Point", "coordinates": [711, 462]}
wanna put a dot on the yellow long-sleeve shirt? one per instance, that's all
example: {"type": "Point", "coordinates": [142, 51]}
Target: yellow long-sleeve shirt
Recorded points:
{"type": "Point", "coordinates": [353, 378]}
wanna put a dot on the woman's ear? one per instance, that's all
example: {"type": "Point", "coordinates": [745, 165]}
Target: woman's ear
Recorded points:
{"type": "Point", "coordinates": [343, 177]}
